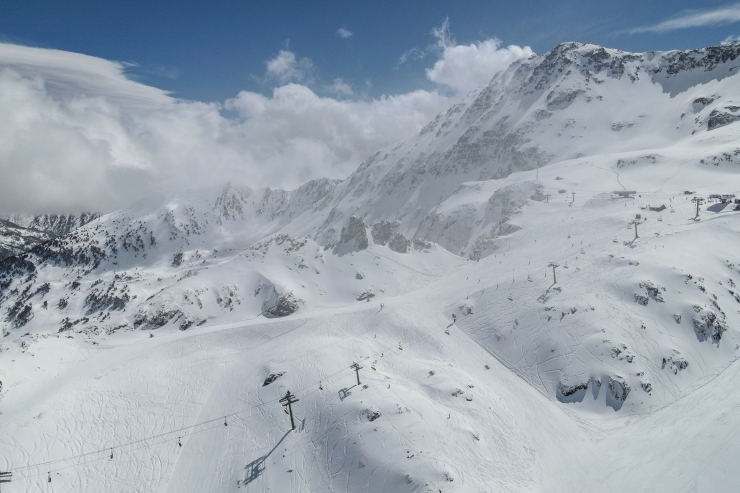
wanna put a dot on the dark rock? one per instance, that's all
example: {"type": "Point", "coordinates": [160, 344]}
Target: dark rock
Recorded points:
{"type": "Point", "coordinates": [177, 259]}
{"type": "Point", "coordinates": [619, 388]}
{"type": "Point", "coordinates": [720, 118]}
{"type": "Point", "coordinates": [281, 306]}
{"type": "Point", "coordinates": [272, 377]}
{"type": "Point", "coordinates": [353, 237]}
{"type": "Point", "coordinates": [399, 243]}
{"type": "Point", "coordinates": [382, 231]}
{"type": "Point", "coordinates": [568, 390]}
{"type": "Point", "coordinates": [366, 295]}
{"type": "Point", "coordinates": [709, 324]}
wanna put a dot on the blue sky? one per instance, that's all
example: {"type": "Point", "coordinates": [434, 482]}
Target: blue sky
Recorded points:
{"type": "Point", "coordinates": [209, 51]}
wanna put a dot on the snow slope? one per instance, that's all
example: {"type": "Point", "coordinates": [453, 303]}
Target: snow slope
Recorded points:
{"type": "Point", "coordinates": [148, 329]}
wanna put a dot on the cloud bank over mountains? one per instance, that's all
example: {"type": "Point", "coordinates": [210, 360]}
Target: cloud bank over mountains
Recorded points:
{"type": "Point", "coordinates": [76, 133]}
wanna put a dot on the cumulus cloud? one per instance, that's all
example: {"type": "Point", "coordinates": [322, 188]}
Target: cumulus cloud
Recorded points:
{"type": "Point", "coordinates": [77, 134]}
{"type": "Point", "coordinates": [728, 14]}
{"type": "Point", "coordinates": [286, 67]}
{"type": "Point", "coordinates": [463, 67]}
{"type": "Point", "coordinates": [344, 33]}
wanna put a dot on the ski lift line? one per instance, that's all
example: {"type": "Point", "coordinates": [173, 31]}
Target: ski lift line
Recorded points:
{"type": "Point", "coordinates": [121, 447]}
{"type": "Point", "coordinates": [142, 440]}
{"type": "Point", "coordinates": [326, 378]}
{"type": "Point", "coordinates": [181, 431]}
{"type": "Point", "coordinates": [127, 451]}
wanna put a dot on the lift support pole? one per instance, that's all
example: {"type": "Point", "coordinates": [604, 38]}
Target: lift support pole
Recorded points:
{"type": "Point", "coordinates": [356, 367]}
{"type": "Point", "coordinates": [287, 401]}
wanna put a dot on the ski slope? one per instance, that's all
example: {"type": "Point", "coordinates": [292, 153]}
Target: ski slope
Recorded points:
{"type": "Point", "coordinates": [479, 371]}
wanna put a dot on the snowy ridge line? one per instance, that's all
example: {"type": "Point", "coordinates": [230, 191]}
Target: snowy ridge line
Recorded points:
{"type": "Point", "coordinates": [329, 378]}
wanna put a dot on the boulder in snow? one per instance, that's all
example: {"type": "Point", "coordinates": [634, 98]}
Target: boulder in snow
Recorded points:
{"type": "Point", "coordinates": [281, 305]}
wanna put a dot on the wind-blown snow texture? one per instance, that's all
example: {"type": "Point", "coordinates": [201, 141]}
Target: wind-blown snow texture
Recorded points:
{"type": "Point", "coordinates": [429, 266]}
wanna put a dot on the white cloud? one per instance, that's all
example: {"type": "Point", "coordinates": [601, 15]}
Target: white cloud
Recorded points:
{"type": "Point", "coordinates": [287, 67]}
{"type": "Point", "coordinates": [728, 14]}
{"type": "Point", "coordinates": [340, 88]}
{"type": "Point", "coordinates": [344, 33]}
{"type": "Point", "coordinates": [300, 135]}
{"type": "Point", "coordinates": [77, 134]}
{"type": "Point", "coordinates": [731, 39]}
{"type": "Point", "coordinates": [465, 67]}
{"type": "Point", "coordinates": [66, 73]}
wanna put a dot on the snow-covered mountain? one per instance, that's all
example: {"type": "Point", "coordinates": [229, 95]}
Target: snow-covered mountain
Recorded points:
{"type": "Point", "coordinates": [53, 224]}
{"type": "Point", "coordinates": [15, 239]}
{"type": "Point", "coordinates": [431, 266]}
{"type": "Point", "coordinates": [574, 102]}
